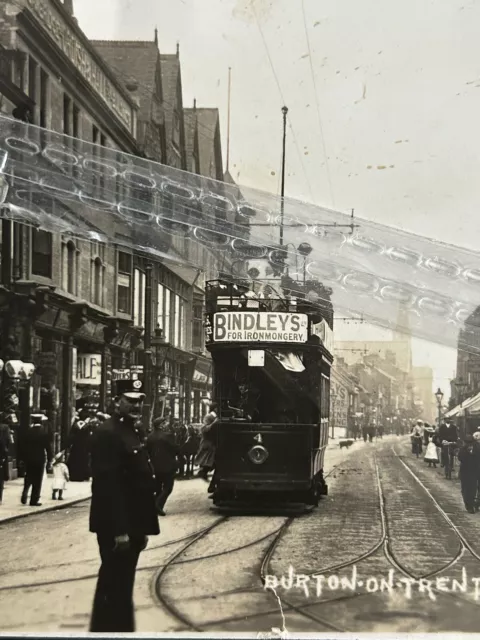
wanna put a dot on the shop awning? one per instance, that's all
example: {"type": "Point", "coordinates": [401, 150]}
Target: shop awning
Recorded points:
{"type": "Point", "coordinates": [203, 372]}
{"type": "Point", "coordinates": [472, 405]}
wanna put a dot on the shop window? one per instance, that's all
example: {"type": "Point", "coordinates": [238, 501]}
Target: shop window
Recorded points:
{"type": "Point", "coordinates": [176, 337]}
{"type": "Point", "coordinates": [124, 282]}
{"type": "Point", "coordinates": [97, 281]}
{"type": "Point", "coordinates": [168, 295]}
{"type": "Point", "coordinates": [69, 263]}
{"type": "Point", "coordinates": [138, 298]}
{"type": "Point", "coordinates": [32, 79]}
{"type": "Point", "coordinates": [76, 122]}
{"type": "Point", "coordinates": [182, 325]}
{"type": "Point", "coordinates": [43, 98]}
{"type": "Point", "coordinates": [161, 306]}
{"type": "Point", "coordinates": [41, 253]}
{"type": "Point", "coordinates": [197, 333]}
{"type": "Point", "coordinates": [67, 104]}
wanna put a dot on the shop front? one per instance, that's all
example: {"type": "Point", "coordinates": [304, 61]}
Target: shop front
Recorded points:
{"type": "Point", "coordinates": [201, 389]}
{"type": "Point", "coordinates": [73, 353]}
{"type": "Point", "coordinates": [87, 383]}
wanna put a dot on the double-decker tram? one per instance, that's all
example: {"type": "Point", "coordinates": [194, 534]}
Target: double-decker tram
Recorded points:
{"type": "Point", "coordinates": [272, 356]}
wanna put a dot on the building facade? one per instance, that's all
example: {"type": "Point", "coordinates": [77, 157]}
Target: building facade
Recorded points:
{"type": "Point", "coordinates": [344, 393]}
{"type": "Point", "coordinates": [71, 90]}
{"type": "Point", "coordinates": [81, 306]}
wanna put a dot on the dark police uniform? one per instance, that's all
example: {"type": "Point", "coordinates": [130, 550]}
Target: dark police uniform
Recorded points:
{"type": "Point", "coordinates": [34, 451]}
{"type": "Point", "coordinates": [123, 503]}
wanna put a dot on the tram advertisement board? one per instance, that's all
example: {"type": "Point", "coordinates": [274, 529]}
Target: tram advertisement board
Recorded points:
{"type": "Point", "coordinates": [259, 327]}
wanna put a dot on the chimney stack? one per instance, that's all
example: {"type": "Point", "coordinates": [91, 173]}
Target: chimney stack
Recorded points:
{"type": "Point", "coordinates": [178, 49]}
{"type": "Point", "coordinates": [68, 4]}
{"type": "Point", "coordinates": [156, 36]}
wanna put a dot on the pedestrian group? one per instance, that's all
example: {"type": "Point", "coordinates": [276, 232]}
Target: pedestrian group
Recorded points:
{"type": "Point", "coordinates": [444, 445]}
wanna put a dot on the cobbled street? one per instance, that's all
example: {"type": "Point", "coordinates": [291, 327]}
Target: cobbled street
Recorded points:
{"type": "Point", "coordinates": [391, 549]}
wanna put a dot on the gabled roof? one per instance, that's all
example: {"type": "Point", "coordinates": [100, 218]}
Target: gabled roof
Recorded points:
{"type": "Point", "coordinates": [133, 62]}
{"type": "Point", "coordinates": [191, 132]}
{"type": "Point", "coordinates": [209, 141]}
{"type": "Point", "coordinates": [170, 73]}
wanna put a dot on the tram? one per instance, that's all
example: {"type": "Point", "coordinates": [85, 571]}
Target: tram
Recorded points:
{"type": "Point", "coordinates": [271, 361]}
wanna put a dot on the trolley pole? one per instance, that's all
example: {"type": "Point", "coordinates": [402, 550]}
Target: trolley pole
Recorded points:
{"type": "Point", "coordinates": [282, 202]}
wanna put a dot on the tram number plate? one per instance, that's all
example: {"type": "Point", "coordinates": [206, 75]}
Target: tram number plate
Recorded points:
{"type": "Point", "coordinates": [258, 438]}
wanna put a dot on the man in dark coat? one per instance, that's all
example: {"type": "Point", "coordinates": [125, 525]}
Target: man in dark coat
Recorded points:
{"type": "Point", "coordinates": [123, 511]}
{"type": "Point", "coordinates": [36, 449]}
{"type": "Point", "coordinates": [4, 448]}
{"type": "Point", "coordinates": [447, 432]}
{"type": "Point", "coordinates": [78, 460]}
{"type": "Point", "coordinates": [163, 452]}
{"type": "Point", "coordinates": [469, 457]}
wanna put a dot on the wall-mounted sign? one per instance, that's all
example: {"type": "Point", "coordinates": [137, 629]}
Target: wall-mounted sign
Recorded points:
{"type": "Point", "coordinates": [323, 331]}
{"type": "Point", "coordinates": [89, 369]}
{"type": "Point", "coordinates": [260, 327]}
{"type": "Point", "coordinates": [256, 358]}
{"type": "Point", "coordinates": [84, 61]}
{"type": "Point", "coordinates": [121, 374]}
{"type": "Point", "coordinates": [136, 370]}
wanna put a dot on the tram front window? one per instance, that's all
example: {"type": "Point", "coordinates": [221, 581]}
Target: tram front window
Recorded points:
{"type": "Point", "coordinates": [284, 390]}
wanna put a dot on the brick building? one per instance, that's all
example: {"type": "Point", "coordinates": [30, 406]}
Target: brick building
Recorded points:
{"type": "Point", "coordinates": [70, 89]}
{"type": "Point", "coordinates": [90, 296]}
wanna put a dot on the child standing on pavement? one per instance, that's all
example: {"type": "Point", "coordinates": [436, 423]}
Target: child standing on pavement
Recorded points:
{"type": "Point", "coordinates": [60, 476]}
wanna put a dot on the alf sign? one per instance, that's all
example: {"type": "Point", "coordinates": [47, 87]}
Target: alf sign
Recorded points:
{"type": "Point", "coordinates": [260, 327]}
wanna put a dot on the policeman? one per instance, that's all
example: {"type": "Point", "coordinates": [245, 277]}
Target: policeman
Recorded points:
{"type": "Point", "coordinates": [123, 511]}
{"type": "Point", "coordinates": [35, 449]}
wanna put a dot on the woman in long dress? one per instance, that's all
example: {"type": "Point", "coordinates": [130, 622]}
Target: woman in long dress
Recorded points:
{"type": "Point", "coordinates": [206, 453]}
{"type": "Point", "coordinates": [431, 456]}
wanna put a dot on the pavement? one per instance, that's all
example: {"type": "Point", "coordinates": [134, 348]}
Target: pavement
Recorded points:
{"type": "Point", "coordinates": [12, 509]}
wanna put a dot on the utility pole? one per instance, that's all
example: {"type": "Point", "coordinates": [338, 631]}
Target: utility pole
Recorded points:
{"type": "Point", "coordinates": [282, 203]}
{"type": "Point", "coordinates": [147, 342]}
{"type": "Point", "coordinates": [228, 116]}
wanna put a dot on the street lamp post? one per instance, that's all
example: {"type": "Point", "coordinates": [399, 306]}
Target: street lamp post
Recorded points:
{"type": "Point", "coordinates": [304, 249]}
{"type": "Point", "coordinates": [439, 397]}
{"type": "Point", "coordinates": [147, 364]}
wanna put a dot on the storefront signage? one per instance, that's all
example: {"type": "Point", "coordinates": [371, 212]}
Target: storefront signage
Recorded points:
{"type": "Point", "coordinates": [84, 61]}
{"type": "Point", "coordinates": [260, 327]}
{"type": "Point", "coordinates": [323, 331]}
{"type": "Point", "coordinates": [89, 369]}
{"type": "Point", "coordinates": [136, 370]}
{"type": "Point", "coordinates": [121, 374]}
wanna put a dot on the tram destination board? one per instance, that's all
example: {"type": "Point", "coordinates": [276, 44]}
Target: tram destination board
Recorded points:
{"type": "Point", "coordinates": [247, 327]}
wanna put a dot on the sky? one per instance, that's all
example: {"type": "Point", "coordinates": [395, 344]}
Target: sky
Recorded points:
{"type": "Point", "coordinates": [383, 103]}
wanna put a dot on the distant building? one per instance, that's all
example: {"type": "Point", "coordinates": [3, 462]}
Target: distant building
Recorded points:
{"type": "Point", "coordinates": [344, 394]}
{"type": "Point", "coordinates": [424, 392]}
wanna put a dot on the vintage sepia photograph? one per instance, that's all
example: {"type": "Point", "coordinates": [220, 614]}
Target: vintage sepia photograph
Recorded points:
{"type": "Point", "coordinates": [239, 318]}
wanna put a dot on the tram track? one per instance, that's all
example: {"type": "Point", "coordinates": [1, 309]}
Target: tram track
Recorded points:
{"type": "Point", "coordinates": [168, 603]}
{"type": "Point", "coordinates": [383, 543]}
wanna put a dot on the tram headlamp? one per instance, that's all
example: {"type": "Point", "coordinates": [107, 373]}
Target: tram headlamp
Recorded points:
{"type": "Point", "coordinates": [258, 454]}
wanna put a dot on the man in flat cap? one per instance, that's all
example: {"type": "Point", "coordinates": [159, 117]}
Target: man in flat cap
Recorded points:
{"type": "Point", "coordinates": [123, 511]}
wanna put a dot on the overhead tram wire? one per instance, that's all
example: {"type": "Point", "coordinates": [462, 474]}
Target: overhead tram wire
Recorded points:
{"type": "Point", "coordinates": [322, 136]}
{"type": "Point", "coordinates": [283, 102]}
